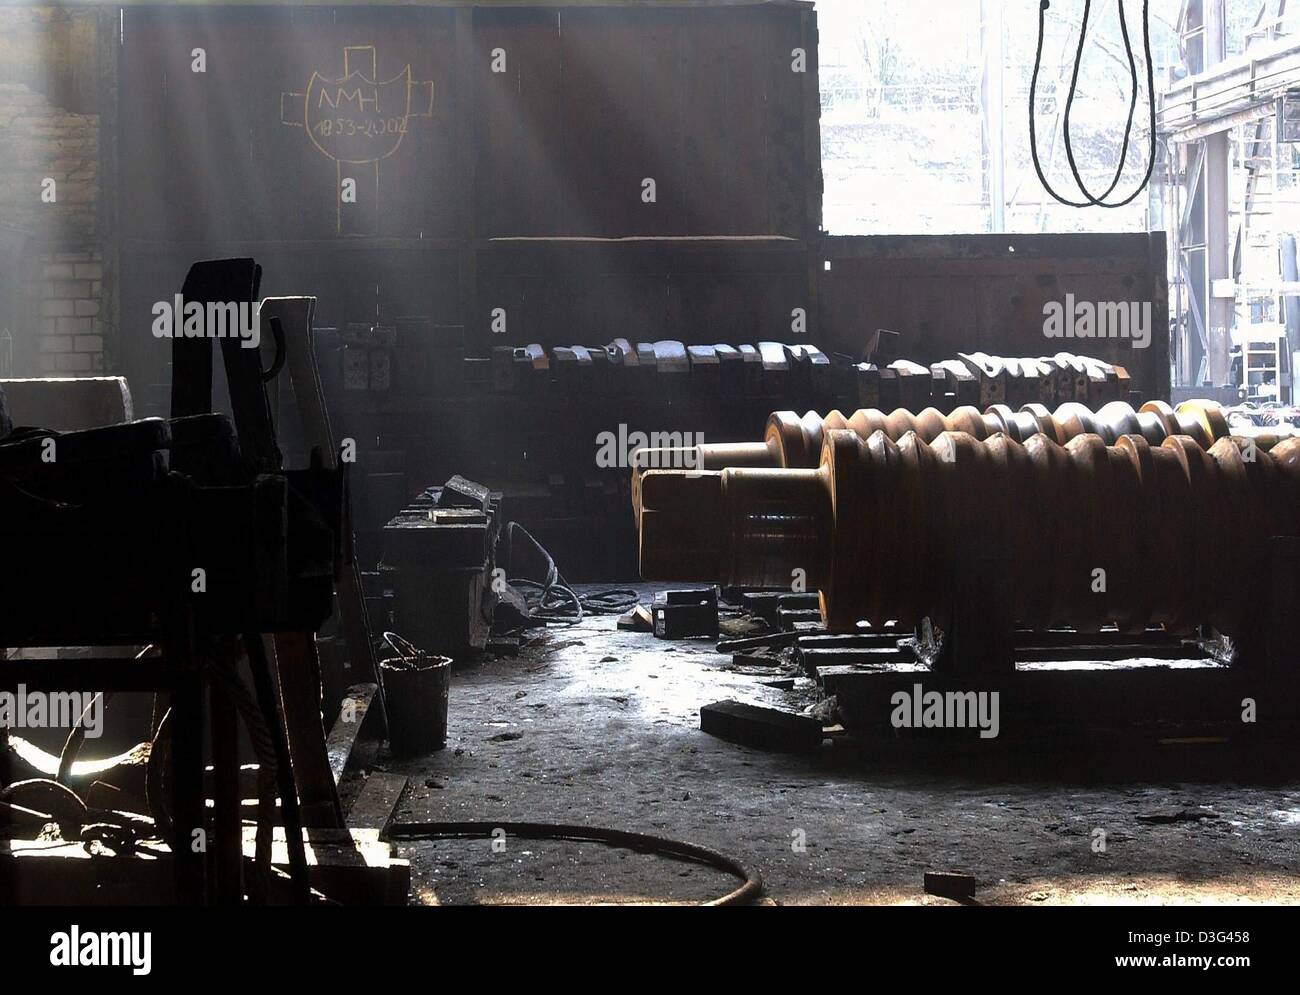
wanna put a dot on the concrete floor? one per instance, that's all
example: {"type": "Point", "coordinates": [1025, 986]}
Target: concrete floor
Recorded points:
{"type": "Point", "coordinates": [596, 726]}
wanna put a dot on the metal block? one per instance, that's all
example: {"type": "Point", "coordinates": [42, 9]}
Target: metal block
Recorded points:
{"type": "Point", "coordinates": [686, 613]}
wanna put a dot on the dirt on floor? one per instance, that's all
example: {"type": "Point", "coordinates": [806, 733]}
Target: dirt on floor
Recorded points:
{"type": "Point", "coordinates": [597, 726]}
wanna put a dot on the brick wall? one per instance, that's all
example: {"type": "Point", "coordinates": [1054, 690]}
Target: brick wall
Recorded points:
{"type": "Point", "coordinates": [46, 141]}
{"type": "Point", "coordinates": [71, 333]}
{"type": "Point", "coordinates": [52, 297]}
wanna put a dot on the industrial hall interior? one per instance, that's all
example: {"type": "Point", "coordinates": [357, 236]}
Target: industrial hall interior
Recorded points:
{"type": "Point", "coordinates": [690, 452]}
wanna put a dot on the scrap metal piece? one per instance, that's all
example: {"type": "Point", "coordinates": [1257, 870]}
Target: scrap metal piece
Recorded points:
{"type": "Point", "coordinates": [759, 727]}
{"type": "Point", "coordinates": [958, 381]}
{"type": "Point", "coordinates": [992, 376]}
{"type": "Point", "coordinates": [686, 613]}
{"type": "Point", "coordinates": [913, 383]}
{"type": "Point", "coordinates": [670, 356]}
{"type": "Point", "coordinates": [622, 353]}
{"type": "Point", "coordinates": [775, 357]}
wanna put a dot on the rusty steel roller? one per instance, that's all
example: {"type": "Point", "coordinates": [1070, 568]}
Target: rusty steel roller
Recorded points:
{"type": "Point", "coordinates": [793, 440]}
{"type": "Point", "coordinates": [880, 526]}
{"type": "Point", "coordinates": [790, 440]}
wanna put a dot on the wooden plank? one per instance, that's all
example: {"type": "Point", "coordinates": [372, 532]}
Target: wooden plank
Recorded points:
{"type": "Point", "coordinates": [298, 667]}
{"type": "Point", "coordinates": [352, 868]}
{"type": "Point", "coordinates": [347, 728]}
{"type": "Point", "coordinates": [833, 677]}
{"type": "Point", "coordinates": [377, 802]}
{"type": "Point", "coordinates": [185, 725]}
{"type": "Point", "coordinates": [227, 865]}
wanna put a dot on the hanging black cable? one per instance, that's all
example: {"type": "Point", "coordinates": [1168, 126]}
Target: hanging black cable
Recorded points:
{"type": "Point", "coordinates": [1069, 103]}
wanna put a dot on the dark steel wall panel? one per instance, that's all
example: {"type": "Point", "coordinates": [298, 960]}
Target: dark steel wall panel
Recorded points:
{"type": "Point", "coordinates": [593, 101]}
{"type": "Point", "coordinates": [967, 293]}
{"type": "Point", "coordinates": [217, 155]}
{"type": "Point", "coordinates": [590, 291]}
{"type": "Point", "coordinates": [519, 139]}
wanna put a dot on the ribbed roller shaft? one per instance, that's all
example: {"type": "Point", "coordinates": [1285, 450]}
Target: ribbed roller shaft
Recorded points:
{"type": "Point", "coordinates": [879, 527]}
{"type": "Point", "coordinates": [794, 441]}
{"type": "Point", "coordinates": [791, 440]}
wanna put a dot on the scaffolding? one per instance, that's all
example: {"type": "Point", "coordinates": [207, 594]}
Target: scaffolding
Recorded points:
{"type": "Point", "coordinates": [1230, 124]}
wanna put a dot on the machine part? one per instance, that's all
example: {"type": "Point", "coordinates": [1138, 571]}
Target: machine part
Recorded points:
{"type": "Point", "coordinates": [775, 356]}
{"type": "Point", "coordinates": [794, 441]}
{"type": "Point", "coordinates": [439, 554]}
{"type": "Point", "coordinates": [293, 315]}
{"type": "Point", "coordinates": [684, 614]}
{"type": "Point", "coordinates": [748, 892]}
{"type": "Point", "coordinates": [891, 531]}
{"type": "Point", "coordinates": [957, 380]}
{"type": "Point", "coordinates": [992, 374]}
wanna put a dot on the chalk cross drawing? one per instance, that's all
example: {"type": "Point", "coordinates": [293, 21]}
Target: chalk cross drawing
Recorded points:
{"type": "Point", "coordinates": [358, 121]}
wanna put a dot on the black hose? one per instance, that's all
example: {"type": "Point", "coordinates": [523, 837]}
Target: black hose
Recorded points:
{"type": "Point", "coordinates": [557, 602]}
{"type": "Point", "coordinates": [643, 842]}
{"type": "Point", "coordinates": [1092, 201]}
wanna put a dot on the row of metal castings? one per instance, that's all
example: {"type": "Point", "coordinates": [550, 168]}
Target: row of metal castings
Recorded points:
{"type": "Point", "coordinates": [1167, 532]}
{"type": "Point", "coordinates": [790, 440]}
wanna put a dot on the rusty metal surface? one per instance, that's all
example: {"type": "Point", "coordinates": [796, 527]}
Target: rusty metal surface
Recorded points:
{"type": "Point", "coordinates": [881, 528]}
{"type": "Point", "coordinates": [791, 440]}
